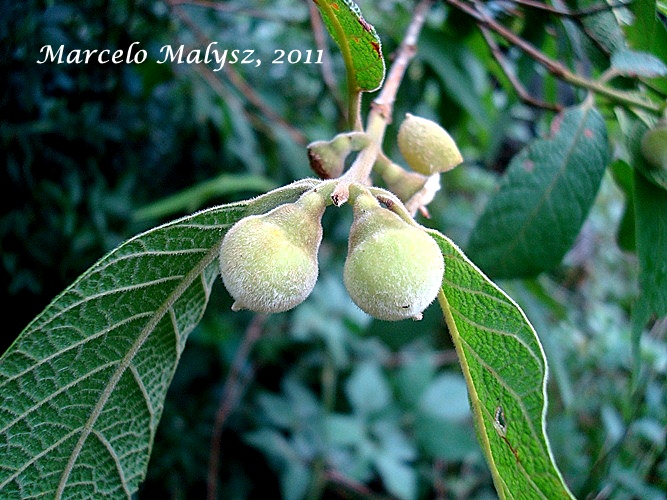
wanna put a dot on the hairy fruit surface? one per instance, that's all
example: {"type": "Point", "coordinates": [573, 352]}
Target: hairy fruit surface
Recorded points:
{"type": "Point", "coordinates": [393, 269]}
{"type": "Point", "coordinates": [268, 262]}
{"type": "Point", "coordinates": [426, 146]}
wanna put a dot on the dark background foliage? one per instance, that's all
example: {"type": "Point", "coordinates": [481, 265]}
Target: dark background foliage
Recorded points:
{"type": "Point", "coordinates": [326, 402]}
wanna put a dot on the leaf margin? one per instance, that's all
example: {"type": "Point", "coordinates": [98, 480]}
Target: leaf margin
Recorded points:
{"type": "Point", "coordinates": [449, 247]}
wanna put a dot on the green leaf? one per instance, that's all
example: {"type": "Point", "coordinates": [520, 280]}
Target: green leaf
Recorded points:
{"type": "Point", "coordinates": [544, 198]}
{"type": "Point", "coordinates": [399, 478]}
{"type": "Point", "coordinates": [367, 388]}
{"type": "Point", "coordinates": [83, 387]}
{"type": "Point", "coordinates": [358, 41]}
{"type": "Point", "coordinates": [623, 174]}
{"type": "Point", "coordinates": [459, 70]}
{"type": "Point", "coordinates": [195, 197]}
{"type": "Point", "coordinates": [651, 237]}
{"type": "Point", "coordinates": [647, 32]}
{"type": "Point", "coordinates": [448, 387]}
{"type": "Point", "coordinates": [506, 372]}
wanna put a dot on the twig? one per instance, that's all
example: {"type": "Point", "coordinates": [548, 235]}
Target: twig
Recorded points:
{"type": "Point", "coordinates": [382, 107]}
{"type": "Point", "coordinates": [439, 486]}
{"type": "Point", "coordinates": [350, 484]}
{"type": "Point", "coordinates": [231, 394]}
{"type": "Point", "coordinates": [437, 359]}
{"type": "Point", "coordinates": [321, 42]}
{"type": "Point", "coordinates": [383, 104]}
{"type": "Point", "coordinates": [554, 67]}
{"type": "Point", "coordinates": [509, 73]}
{"type": "Point", "coordinates": [227, 96]}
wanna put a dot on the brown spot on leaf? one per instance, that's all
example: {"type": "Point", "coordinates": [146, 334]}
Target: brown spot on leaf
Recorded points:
{"type": "Point", "coordinates": [529, 165]}
{"type": "Point", "coordinates": [376, 46]}
{"type": "Point", "coordinates": [588, 133]}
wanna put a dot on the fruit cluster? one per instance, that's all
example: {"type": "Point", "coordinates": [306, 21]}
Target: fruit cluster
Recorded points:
{"type": "Point", "coordinates": [393, 269]}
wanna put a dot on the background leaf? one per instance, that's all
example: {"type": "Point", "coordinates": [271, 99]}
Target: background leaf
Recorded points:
{"type": "Point", "coordinates": [548, 189]}
{"type": "Point", "coordinates": [651, 217]}
{"type": "Point", "coordinates": [358, 41]}
{"type": "Point", "coordinates": [192, 198]}
{"type": "Point", "coordinates": [648, 188]}
{"type": "Point", "coordinates": [83, 387]}
{"type": "Point", "coordinates": [508, 399]}
{"type": "Point", "coordinates": [633, 63]}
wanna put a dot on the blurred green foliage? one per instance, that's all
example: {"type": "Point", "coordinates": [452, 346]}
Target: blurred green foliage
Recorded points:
{"type": "Point", "coordinates": [328, 403]}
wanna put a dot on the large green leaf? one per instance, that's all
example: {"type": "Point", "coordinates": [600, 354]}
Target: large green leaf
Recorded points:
{"type": "Point", "coordinates": [543, 199]}
{"type": "Point", "coordinates": [358, 41]}
{"type": "Point", "coordinates": [650, 204]}
{"type": "Point", "coordinates": [506, 371]}
{"type": "Point", "coordinates": [82, 388]}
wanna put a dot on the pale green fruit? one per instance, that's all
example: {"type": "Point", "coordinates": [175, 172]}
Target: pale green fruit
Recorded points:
{"type": "Point", "coordinates": [393, 269]}
{"type": "Point", "coordinates": [426, 146]}
{"type": "Point", "coordinates": [654, 147]}
{"type": "Point", "coordinates": [268, 262]}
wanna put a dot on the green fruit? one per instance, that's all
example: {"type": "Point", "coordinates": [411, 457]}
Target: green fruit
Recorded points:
{"type": "Point", "coordinates": [268, 262]}
{"type": "Point", "coordinates": [393, 269]}
{"type": "Point", "coordinates": [654, 147]}
{"type": "Point", "coordinates": [426, 146]}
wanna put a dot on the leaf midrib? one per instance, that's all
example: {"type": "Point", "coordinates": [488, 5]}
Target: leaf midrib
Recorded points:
{"type": "Point", "coordinates": [557, 177]}
{"type": "Point", "coordinates": [126, 361]}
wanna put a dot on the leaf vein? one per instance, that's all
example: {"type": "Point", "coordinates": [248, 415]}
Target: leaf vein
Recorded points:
{"type": "Point", "coordinates": [83, 341]}
{"type": "Point", "coordinates": [57, 393]}
{"type": "Point", "coordinates": [127, 359]}
{"type": "Point", "coordinates": [35, 458]}
{"type": "Point", "coordinates": [504, 333]}
{"type": "Point", "coordinates": [116, 460]}
{"type": "Point", "coordinates": [107, 293]}
{"type": "Point", "coordinates": [509, 389]}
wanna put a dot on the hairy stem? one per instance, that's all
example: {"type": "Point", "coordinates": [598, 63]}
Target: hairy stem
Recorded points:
{"type": "Point", "coordinates": [382, 107]}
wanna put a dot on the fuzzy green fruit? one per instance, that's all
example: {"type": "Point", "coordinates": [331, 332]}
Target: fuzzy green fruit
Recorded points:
{"type": "Point", "coordinates": [393, 270]}
{"type": "Point", "coordinates": [654, 147]}
{"type": "Point", "coordinates": [268, 262]}
{"type": "Point", "coordinates": [426, 146]}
